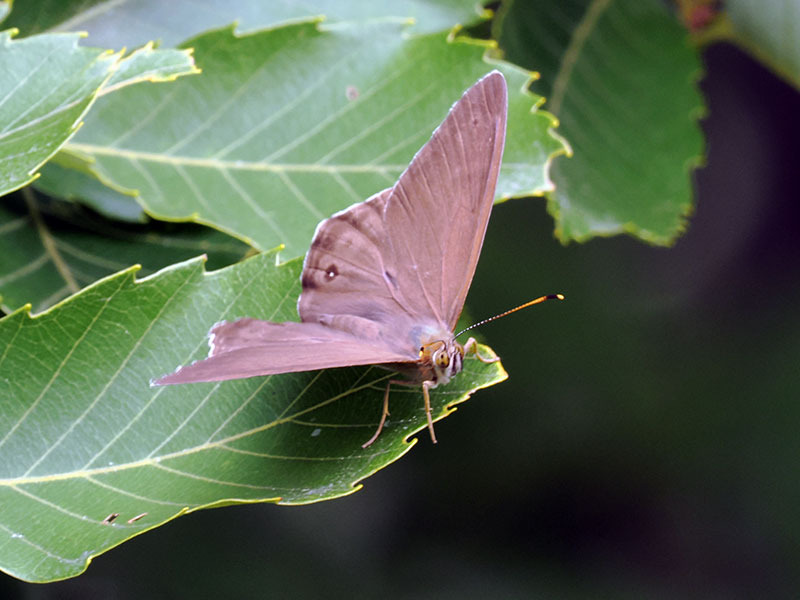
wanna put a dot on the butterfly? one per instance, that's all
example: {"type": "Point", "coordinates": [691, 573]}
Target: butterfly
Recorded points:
{"type": "Point", "coordinates": [385, 280]}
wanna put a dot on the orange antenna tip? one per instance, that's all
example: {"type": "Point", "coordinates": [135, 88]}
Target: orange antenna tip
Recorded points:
{"type": "Point", "coordinates": [538, 300]}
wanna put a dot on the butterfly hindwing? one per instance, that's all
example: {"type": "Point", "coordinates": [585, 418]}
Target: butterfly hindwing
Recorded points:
{"type": "Point", "coordinates": [250, 347]}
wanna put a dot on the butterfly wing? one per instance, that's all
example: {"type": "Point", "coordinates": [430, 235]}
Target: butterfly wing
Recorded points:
{"type": "Point", "coordinates": [401, 262]}
{"type": "Point", "coordinates": [347, 282]}
{"type": "Point", "coordinates": [251, 347]}
{"type": "Point", "coordinates": [438, 211]}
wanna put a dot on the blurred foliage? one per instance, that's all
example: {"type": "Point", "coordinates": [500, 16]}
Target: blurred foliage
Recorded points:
{"type": "Point", "coordinates": [113, 24]}
{"type": "Point", "coordinates": [621, 81]}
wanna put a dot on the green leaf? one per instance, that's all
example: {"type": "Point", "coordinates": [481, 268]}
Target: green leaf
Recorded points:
{"type": "Point", "coordinates": [49, 250]}
{"type": "Point", "coordinates": [83, 436]}
{"type": "Point", "coordinates": [620, 78]}
{"type": "Point", "coordinates": [69, 176]}
{"type": "Point", "coordinates": [48, 83]}
{"type": "Point", "coordinates": [58, 180]}
{"type": "Point", "coordinates": [174, 22]}
{"type": "Point", "coordinates": [769, 30]}
{"type": "Point", "coordinates": [264, 150]}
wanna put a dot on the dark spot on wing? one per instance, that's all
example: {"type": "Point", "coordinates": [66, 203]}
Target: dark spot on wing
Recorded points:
{"type": "Point", "coordinates": [313, 276]}
{"type": "Point", "coordinates": [308, 282]}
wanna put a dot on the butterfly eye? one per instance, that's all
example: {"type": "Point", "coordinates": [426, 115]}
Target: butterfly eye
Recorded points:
{"type": "Point", "coordinates": [442, 360]}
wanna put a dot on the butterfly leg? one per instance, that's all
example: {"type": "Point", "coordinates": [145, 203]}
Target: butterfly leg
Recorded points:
{"type": "Point", "coordinates": [384, 414]}
{"type": "Point", "coordinates": [426, 386]}
{"type": "Point", "coordinates": [472, 346]}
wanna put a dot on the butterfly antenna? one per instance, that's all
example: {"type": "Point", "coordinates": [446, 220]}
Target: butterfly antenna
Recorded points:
{"type": "Point", "coordinates": [513, 310]}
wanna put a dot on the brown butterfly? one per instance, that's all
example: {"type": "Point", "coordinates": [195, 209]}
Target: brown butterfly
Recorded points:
{"type": "Point", "coordinates": [385, 280]}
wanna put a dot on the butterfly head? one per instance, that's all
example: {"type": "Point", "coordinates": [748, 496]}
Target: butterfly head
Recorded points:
{"type": "Point", "coordinates": [445, 358]}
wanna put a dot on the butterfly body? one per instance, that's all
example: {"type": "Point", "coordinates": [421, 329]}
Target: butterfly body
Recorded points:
{"type": "Point", "coordinates": [438, 361]}
{"type": "Point", "coordinates": [385, 280]}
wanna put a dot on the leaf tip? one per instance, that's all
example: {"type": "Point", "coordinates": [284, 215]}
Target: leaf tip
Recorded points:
{"type": "Point", "coordinates": [8, 34]}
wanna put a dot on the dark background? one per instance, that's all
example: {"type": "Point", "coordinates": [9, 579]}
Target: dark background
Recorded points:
{"type": "Point", "coordinates": [647, 443]}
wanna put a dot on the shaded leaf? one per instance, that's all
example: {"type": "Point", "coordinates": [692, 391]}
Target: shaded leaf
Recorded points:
{"type": "Point", "coordinates": [73, 184]}
{"type": "Point", "coordinates": [264, 150]}
{"type": "Point", "coordinates": [770, 31]}
{"type": "Point", "coordinates": [620, 78]}
{"type": "Point", "coordinates": [83, 436]}
{"type": "Point", "coordinates": [49, 250]}
{"type": "Point", "coordinates": [113, 24]}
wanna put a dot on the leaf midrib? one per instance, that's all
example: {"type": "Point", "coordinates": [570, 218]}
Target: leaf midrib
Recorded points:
{"type": "Point", "coordinates": [584, 28]}
{"type": "Point", "coordinates": [234, 165]}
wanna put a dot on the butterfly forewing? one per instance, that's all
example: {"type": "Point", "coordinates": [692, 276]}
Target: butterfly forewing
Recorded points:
{"type": "Point", "coordinates": [440, 206]}
{"type": "Point", "coordinates": [405, 257]}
